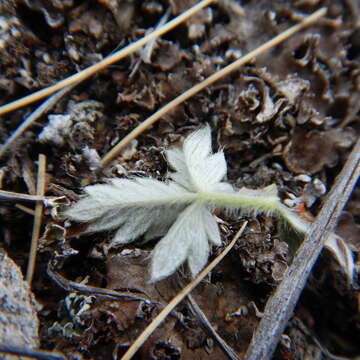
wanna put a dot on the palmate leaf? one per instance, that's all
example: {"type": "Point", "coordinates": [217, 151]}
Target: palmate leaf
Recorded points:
{"type": "Point", "coordinates": [188, 238]}
{"type": "Point", "coordinates": [150, 207]}
{"type": "Point", "coordinates": [179, 208]}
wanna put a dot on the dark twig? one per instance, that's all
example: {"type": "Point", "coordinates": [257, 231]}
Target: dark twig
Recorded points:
{"type": "Point", "coordinates": [32, 353]}
{"type": "Point", "coordinates": [280, 306]}
{"type": "Point", "coordinates": [69, 285]}
{"type": "Point", "coordinates": [205, 323]}
{"type": "Point", "coordinates": [13, 196]}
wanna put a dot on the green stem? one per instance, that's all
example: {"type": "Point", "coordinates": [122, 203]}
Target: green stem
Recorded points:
{"type": "Point", "coordinates": [256, 201]}
{"type": "Point", "coordinates": [253, 200]}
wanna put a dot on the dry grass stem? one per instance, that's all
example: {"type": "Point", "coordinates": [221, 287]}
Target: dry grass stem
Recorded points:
{"type": "Point", "coordinates": [109, 60]}
{"type": "Point", "coordinates": [210, 80]}
{"type": "Point", "coordinates": [25, 209]}
{"type": "Point", "coordinates": [40, 190]}
{"type": "Point", "coordinates": [178, 298]}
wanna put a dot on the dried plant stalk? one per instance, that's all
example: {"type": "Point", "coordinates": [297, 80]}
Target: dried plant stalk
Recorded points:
{"type": "Point", "coordinates": [40, 191]}
{"type": "Point", "coordinates": [25, 209]}
{"type": "Point", "coordinates": [73, 286]}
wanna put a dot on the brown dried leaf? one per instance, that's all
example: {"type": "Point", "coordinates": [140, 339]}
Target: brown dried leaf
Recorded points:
{"type": "Point", "coordinates": [262, 257]}
{"type": "Point", "coordinates": [167, 56]}
{"type": "Point", "coordinates": [349, 230]}
{"type": "Point", "coordinates": [310, 152]}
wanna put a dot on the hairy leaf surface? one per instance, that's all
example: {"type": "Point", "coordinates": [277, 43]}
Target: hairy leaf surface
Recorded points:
{"type": "Point", "coordinates": [179, 208]}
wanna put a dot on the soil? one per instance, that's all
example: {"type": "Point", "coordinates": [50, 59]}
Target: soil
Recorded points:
{"type": "Point", "coordinates": [289, 117]}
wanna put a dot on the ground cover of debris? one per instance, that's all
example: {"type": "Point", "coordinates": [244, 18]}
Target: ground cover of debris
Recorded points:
{"type": "Point", "coordinates": [289, 117]}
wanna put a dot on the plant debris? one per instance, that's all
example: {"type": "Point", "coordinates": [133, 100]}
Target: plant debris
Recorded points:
{"type": "Point", "coordinates": [289, 117]}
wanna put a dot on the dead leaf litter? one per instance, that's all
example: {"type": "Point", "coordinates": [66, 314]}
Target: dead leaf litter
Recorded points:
{"type": "Point", "coordinates": [279, 120]}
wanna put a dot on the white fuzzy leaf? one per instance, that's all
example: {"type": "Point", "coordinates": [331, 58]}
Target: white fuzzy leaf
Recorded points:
{"type": "Point", "coordinates": [172, 250]}
{"type": "Point", "coordinates": [180, 208]}
{"type": "Point", "coordinates": [199, 251]}
{"type": "Point", "coordinates": [211, 227]}
{"type": "Point", "coordinates": [136, 225]}
{"type": "Point", "coordinates": [149, 207]}
{"type": "Point", "coordinates": [181, 243]}
{"type": "Point", "coordinates": [203, 168]}
{"type": "Point", "coordinates": [197, 146]}
{"type": "Point", "coordinates": [161, 224]}
{"type": "Point", "coordinates": [209, 171]}
{"type": "Point", "coordinates": [86, 209]}
{"type": "Point", "coordinates": [176, 159]}
{"type": "Point", "coordinates": [111, 219]}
